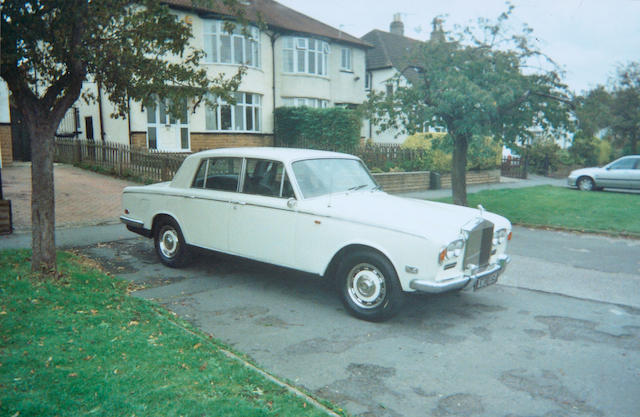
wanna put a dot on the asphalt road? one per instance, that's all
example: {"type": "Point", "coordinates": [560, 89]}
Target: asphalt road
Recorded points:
{"type": "Point", "coordinates": [559, 335]}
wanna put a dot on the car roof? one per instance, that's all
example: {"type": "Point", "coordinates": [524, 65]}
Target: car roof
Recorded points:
{"type": "Point", "coordinates": [279, 154]}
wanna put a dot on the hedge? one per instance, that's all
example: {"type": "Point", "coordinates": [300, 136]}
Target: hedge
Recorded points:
{"type": "Point", "coordinates": [333, 128]}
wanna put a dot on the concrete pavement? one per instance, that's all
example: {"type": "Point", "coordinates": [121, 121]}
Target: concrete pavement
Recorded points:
{"type": "Point", "coordinates": [568, 348]}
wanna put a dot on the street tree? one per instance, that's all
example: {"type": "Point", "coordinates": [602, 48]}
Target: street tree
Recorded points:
{"type": "Point", "coordinates": [593, 111]}
{"type": "Point", "coordinates": [625, 107]}
{"type": "Point", "coordinates": [133, 49]}
{"type": "Point", "coordinates": [481, 81]}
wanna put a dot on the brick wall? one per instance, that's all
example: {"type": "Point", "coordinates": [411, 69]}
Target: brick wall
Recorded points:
{"type": "Point", "coordinates": [404, 182]}
{"type": "Point", "coordinates": [6, 144]}
{"type": "Point", "coordinates": [202, 141]}
{"type": "Point", "coordinates": [475, 177]}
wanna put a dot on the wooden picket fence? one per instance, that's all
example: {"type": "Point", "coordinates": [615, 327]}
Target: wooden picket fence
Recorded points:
{"type": "Point", "coordinates": [122, 160]}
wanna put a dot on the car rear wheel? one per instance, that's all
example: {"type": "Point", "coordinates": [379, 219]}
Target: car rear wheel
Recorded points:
{"type": "Point", "coordinates": [585, 184]}
{"type": "Point", "coordinates": [369, 286]}
{"type": "Point", "coordinates": [170, 245]}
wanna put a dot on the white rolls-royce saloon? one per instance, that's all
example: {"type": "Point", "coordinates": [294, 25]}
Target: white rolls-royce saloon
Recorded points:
{"type": "Point", "coordinates": [323, 213]}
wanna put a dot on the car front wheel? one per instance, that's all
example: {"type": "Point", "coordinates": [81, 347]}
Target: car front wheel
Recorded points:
{"type": "Point", "coordinates": [585, 184]}
{"type": "Point", "coordinates": [170, 245]}
{"type": "Point", "coordinates": [369, 286]}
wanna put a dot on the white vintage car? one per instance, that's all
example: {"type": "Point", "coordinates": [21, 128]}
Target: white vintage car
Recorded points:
{"type": "Point", "coordinates": [323, 213]}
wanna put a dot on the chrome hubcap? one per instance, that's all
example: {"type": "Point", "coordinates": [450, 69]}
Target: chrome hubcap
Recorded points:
{"type": "Point", "coordinates": [585, 184]}
{"type": "Point", "coordinates": [169, 243]}
{"type": "Point", "coordinates": [366, 286]}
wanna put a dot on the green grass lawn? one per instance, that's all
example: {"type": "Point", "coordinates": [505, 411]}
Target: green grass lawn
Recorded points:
{"type": "Point", "coordinates": [82, 346]}
{"type": "Point", "coordinates": [558, 207]}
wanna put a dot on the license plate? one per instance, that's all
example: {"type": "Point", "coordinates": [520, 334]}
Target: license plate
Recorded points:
{"type": "Point", "coordinates": [486, 281]}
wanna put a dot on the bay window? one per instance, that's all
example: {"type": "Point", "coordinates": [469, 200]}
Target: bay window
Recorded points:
{"type": "Point", "coordinates": [305, 55]}
{"type": "Point", "coordinates": [222, 47]}
{"type": "Point", "coordinates": [305, 101]}
{"type": "Point", "coordinates": [244, 116]}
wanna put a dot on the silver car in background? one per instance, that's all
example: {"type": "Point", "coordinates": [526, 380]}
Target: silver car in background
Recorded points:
{"type": "Point", "coordinates": [621, 173]}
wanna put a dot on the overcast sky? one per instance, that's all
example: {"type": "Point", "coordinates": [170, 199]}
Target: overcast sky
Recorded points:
{"type": "Point", "coordinates": [587, 38]}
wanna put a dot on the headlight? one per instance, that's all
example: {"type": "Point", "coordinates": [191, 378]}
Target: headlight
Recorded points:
{"type": "Point", "coordinates": [499, 236]}
{"type": "Point", "coordinates": [452, 251]}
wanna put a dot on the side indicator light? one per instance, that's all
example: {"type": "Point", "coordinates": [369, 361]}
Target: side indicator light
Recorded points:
{"type": "Point", "coordinates": [510, 235]}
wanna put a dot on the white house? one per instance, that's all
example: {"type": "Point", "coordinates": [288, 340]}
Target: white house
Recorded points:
{"type": "Point", "coordinates": [388, 61]}
{"type": "Point", "coordinates": [295, 61]}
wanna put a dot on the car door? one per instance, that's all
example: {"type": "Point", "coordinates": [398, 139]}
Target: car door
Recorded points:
{"type": "Point", "coordinates": [618, 174]}
{"type": "Point", "coordinates": [208, 203]}
{"type": "Point", "coordinates": [262, 225]}
{"type": "Point", "coordinates": [635, 175]}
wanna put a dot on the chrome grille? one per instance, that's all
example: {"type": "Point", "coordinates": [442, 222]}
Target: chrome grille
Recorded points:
{"type": "Point", "coordinates": [479, 241]}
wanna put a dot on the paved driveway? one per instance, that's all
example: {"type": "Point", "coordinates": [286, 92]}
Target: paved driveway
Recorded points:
{"type": "Point", "coordinates": [503, 351]}
{"type": "Point", "coordinates": [82, 197]}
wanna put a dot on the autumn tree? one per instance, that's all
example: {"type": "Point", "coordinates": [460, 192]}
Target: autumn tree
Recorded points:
{"type": "Point", "coordinates": [135, 50]}
{"type": "Point", "coordinates": [480, 81]}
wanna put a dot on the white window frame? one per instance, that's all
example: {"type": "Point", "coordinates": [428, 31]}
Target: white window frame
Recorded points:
{"type": "Point", "coordinates": [316, 103]}
{"type": "Point", "coordinates": [158, 117]}
{"type": "Point", "coordinates": [346, 59]}
{"type": "Point", "coordinates": [233, 111]}
{"type": "Point", "coordinates": [306, 56]}
{"type": "Point", "coordinates": [213, 33]}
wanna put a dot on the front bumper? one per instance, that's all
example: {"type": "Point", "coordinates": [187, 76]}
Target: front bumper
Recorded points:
{"type": "Point", "coordinates": [463, 282]}
{"type": "Point", "coordinates": [571, 181]}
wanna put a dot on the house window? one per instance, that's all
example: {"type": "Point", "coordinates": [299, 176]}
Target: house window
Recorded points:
{"type": "Point", "coordinates": [367, 81]}
{"type": "Point", "coordinates": [345, 61]}
{"type": "Point", "coordinates": [88, 127]}
{"type": "Point", "coordinates": [389, 89]}
{"type": "Point", "coordinates": [305, 55]}
{"type": "Point", "coordinates": [305, 102]}
{"type": "Point", "coordinates": [244, 116]}
{"type": "Point", "coordinates": [222, 47]}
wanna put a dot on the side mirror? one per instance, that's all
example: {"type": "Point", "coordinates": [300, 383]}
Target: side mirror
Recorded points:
{"type": "Point", "coordinates": [292, 203]}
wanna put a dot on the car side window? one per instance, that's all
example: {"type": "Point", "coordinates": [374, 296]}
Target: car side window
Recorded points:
{"type": "Point", "coordinates": [627, 163]}
{"type": "Point", "coordinates": [198, 181]}
{"type": "Point", "coordinates": [263, 177]}
{"type": "Point", "coordinates": [287, 189]}
{"type": "Point", "coordinates": [218, 174]}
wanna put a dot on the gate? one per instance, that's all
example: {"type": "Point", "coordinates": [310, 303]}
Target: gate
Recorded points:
{"type": "Point", "coordinates": [514, 167]}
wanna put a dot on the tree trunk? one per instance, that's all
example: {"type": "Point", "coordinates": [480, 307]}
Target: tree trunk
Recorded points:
{"type": "Point", "coordinates": [43, 258]}
{"type": "Point", "coordinates": [459, 170]}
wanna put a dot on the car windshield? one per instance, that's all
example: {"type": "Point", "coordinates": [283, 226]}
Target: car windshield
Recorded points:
{"type": "Point", "coordinates": [325, 176]}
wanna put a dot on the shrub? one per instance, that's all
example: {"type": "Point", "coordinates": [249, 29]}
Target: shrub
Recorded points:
{"type": "Point", "coordinates": [544, 156]}
{"type": "Point", "coordinates": [483, 153]}
{"type": "Point", "coordinates": [585, 150]}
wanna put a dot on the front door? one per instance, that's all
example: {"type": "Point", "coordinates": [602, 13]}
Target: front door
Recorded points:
{"type": "Point", "coordinates": [165, 132]}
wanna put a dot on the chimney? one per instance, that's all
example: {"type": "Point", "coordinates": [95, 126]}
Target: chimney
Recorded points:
{"type": "Point", "coordinates": [397, 27]}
